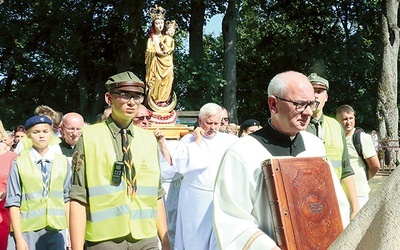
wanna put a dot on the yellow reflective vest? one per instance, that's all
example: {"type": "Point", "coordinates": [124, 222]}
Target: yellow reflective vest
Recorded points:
{"type": "Point", "coordinates": [38, 211]}
{"type": "Point", "coordinates": [334, 142]}
{"type": "Point", "coordinates": [112, 212]}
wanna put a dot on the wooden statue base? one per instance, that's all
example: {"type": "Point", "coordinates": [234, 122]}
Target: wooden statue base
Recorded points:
{"type": "Point", "coordinates": [172, 131]}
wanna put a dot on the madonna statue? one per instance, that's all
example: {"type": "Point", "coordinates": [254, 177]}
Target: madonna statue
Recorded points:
{"type": "Point", "coordinates": [159, 62]}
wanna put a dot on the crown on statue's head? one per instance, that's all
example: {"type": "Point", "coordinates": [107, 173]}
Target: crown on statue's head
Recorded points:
{"type": "Point", "coordinates": [157, 12]}
{"type": "Point", "coordinates": [171, 24]}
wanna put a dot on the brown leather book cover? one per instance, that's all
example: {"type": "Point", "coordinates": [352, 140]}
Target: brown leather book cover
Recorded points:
{"type": "Point", "coordinates": [303, 202]}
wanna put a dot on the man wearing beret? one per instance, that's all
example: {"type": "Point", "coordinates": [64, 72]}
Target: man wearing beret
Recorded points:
{"type": "Point", "coordinates": [331, 132]}
{"type": "Point", "coordinates": [116, 189]}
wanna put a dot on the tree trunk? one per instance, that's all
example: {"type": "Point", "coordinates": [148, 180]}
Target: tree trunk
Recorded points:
{"type": "Point", "coordinates": [196, 25]}
{"type": "Point", "coordinates": [387, 90]}
{"type": "Point", "coordinates": [229, 25]}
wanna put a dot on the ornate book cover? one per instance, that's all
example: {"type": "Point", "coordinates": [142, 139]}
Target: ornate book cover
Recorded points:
{"type": "Point", "coordinates": [303, 202]}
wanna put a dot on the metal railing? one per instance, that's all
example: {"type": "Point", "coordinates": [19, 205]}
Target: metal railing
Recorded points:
{"type": "Point", "coordinates": [388, 154]}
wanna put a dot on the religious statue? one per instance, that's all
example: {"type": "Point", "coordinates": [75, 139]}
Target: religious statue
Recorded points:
{"type": "Point", "coordinates": [159, 63]}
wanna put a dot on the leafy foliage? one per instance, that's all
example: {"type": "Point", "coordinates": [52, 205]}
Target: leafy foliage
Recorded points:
{"type": "Point", "coordinates": [336, 39]}
{"type": "Point", "coordinates": [200, 84]}
{"type": "Point", "coordinates": [61, 52]}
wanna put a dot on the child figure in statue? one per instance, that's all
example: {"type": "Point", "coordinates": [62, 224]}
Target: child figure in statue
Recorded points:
{"type": "Point", "coordinates": [167, 44]}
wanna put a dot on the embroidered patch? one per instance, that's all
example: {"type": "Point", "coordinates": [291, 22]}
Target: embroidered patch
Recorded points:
{"type": "Point", "coordinates": [77, 160]}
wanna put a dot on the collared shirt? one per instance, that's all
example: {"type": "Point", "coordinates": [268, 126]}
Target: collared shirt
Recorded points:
{"type": "Point", "coordinates": [316, 127]}
{"type": "Point", "coordinates": [312, 125]}
{"type": "Point", "coordinates": [46, 159]}
{"type": "Point", "coordinates": [78, 189]}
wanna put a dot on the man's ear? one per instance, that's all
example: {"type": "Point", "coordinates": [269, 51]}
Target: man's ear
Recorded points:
{"type": "Point", "coordinates": [107, 98]}
{"type": "Point", "coordinates": [272, 104]}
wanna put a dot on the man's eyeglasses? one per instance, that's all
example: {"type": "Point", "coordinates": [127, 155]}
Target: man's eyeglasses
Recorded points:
{"type": "Point", "coordinates": [127, 97]}
{"type": "Point", "coordinates": [72, 129]}
{"type": "Point", "coordinates": [141, 118]}
{"type": "Point", "coordinates": [301, 106]}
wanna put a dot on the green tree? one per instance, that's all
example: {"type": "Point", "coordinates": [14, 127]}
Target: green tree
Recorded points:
{"type": "Point", "coordinates": [336, 39]}
{"type": "Point", "coordinates": [60, 53]}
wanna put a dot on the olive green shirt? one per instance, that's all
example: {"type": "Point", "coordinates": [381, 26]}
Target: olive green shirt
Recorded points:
{"type": "Point", "coordinates": [79, 187]}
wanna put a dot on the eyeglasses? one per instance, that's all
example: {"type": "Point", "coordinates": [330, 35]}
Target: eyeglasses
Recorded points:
{"type": "Point", "coordinates": [72, 129]}
{"type": "Point", "coordinates": [127, 97]}
{"type": "Point", "coordinates": [141, 118]}
{"type": "Point", "coordinates": [301, 106]}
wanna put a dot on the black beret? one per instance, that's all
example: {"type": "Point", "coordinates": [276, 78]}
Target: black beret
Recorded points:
{"type": "Point", "coordinates": [248, 123]}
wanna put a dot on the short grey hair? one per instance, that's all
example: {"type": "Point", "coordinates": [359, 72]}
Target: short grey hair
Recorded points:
{"type": "Point", "coordinates": [210, 109]}
{"type": "Point", "coordinates": [278, 84]}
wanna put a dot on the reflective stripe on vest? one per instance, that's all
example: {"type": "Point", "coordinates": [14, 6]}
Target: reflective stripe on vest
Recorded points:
{"type": "Point", "coordinates": [113, 213]}
{"type": "Point", "coordinates": [333, 143]}
{"type": "Point", "coordinates": [38, 212]}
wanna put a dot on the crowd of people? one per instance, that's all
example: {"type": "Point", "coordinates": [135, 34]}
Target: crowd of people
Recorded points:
{"type": "Point", "coordinates": [116, 185]}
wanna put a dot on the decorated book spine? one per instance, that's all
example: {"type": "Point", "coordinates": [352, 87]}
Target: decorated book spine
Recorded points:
{"type": "Point", "coordinates": [270, 177]}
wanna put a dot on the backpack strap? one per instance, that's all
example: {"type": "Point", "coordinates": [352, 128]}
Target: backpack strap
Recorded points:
{"type": "Point", "coordinates": [358, 147]}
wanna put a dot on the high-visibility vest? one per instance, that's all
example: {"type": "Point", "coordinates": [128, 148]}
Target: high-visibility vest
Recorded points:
{"type": "Point", "coordinates": [334, 143]}
{"type": "Point", "coordinates": [39, 211]}
{"type": "Point", "coordinates": [112, 212]}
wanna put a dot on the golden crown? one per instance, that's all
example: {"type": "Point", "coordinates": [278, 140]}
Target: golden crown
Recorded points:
{"type": "Point", "coordinates": [157, 12]}
{"type": "Point", "coordinates": [171, 24]}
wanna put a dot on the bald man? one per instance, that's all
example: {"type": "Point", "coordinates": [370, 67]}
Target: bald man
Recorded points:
{"type": "Point", "coordinates": [71, 130]}
{"type": "Point", "coordinates": [242, 218]}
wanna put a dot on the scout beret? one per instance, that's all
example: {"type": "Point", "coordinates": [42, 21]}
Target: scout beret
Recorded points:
{"type": "Point", "coordinates": [37, 120]}
{"type": "Point", "coordinates": [125, 81]}
{"type": "Point", "coordinates": [317, 80]}
{"type": "Point", "coordinates": [248, 123]}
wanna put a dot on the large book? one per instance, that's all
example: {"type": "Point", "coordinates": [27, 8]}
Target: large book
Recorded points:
{"type": "Point", "coordinates": [302, 201]}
